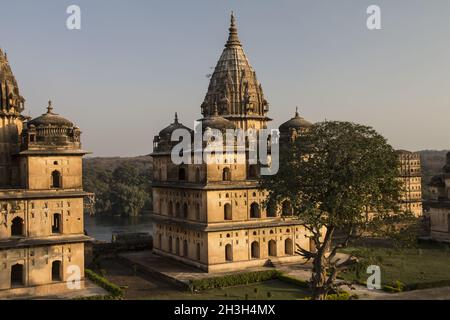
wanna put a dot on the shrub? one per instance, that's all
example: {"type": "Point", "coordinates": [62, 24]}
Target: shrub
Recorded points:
{"type": "Point", "coordinates": [104, 283]}
{"type": "Point", "coordinates": [341, 296]}
{"type": "Point", "coordinates": [233, 280]}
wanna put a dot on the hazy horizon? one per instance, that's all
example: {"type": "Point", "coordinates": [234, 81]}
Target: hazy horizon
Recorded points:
{"type": "Point", "coordinates": [134, 64]}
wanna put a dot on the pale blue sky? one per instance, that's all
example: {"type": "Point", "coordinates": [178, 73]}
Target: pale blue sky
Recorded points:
{"type": "Point", "coordinates": [136, 62]}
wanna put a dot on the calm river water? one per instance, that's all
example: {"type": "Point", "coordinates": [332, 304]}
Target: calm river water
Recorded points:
{"type": "Point", "coordinates": [101, 226]}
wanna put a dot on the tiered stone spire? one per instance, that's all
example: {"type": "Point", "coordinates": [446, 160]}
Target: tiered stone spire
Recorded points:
{"type": "Point", "coordinates": [234, 87]}
{"type": "Point", "coordinates": [10, 99]}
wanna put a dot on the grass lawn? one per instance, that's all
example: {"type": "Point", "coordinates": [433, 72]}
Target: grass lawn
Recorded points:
{"type": "Point", "coordinates": [427, 265]}
{"type": "Point", "coordinates": [271, 289]}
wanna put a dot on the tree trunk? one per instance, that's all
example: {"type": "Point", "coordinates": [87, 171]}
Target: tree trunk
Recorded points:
{"type": "Point", "coordinates": [319, 271]}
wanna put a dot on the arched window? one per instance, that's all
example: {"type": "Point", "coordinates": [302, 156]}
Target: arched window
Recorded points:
{"type": "Point", "coordinates": [185, 211]}
{"type": "Point", "coordinates": [197, 211]}
{"type": "Point", "coordinates": [272, 248]}
{"type": "Point", "coordinates": [56, 271]}
{"type": "Point", "coordinates": [197, 175]}
{"type": "Point", "coordinates": [56, 179]}
{"type": "Point", "coordinates": [56, 224]}
{"type": "Point", "coordinates": [226, 174]}
{"type": "Point", "coordinates": [177, 210]}
{"type": "Point", "coordinates": [287, 208]}
{"type": "Point", "coordinates": [17, 227]}
{"type": "Point", "coordinates": [255, 250]}
{"type": "Point", "coordinates": [185, 249]}
{"type": "Point", "coordinates": [177, 246]}
{"type": "Point", "coordinates": [159, 241]}
{"type": "Point", "coordinates": [181, 174]}
{"type": "Point", "coordinates": [271, 209]}
{"type": "Point", "coordinates": [254, 210]}
{"type": "Point", "coordinates": [227, 212]}
{"type": "Point", "coordinates": [228, 252]}
{"type": "Point", "coordinates": [17, 276]}
{"type": "Point", "coordinates": [198, 251]}
{"type": "Point", "coordinates": [170, 208]}
{"type": "Point", "coordinates": [169, 245]}
{"type": "Point", "coordinates": [288, 247]}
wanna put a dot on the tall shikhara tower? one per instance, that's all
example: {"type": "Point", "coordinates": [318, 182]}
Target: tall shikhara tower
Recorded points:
{"type": "Point", "coordinates": [212, 215]}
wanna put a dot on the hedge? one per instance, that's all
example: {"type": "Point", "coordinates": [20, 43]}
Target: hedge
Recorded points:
{"type": "Point", "coordinates": [115, 290]}
{"type": "Point", "coordinates": [233, 280]}
{"type": "Point", "coordinates": [298, 282]}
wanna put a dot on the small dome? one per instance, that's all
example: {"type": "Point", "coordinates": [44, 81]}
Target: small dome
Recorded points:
{"type": "Point", "coordinates": [50, 119]}
{"type": "Point", "coordinates": [172, 127]}
{"type": "Point", "coordinates": [215, 121]}
{"type": "Point", "coordinates": [297, 123]}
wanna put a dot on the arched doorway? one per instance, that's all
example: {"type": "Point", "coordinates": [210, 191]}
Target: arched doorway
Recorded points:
{"type": "Point", "coordinates": [56, 179]}
{"type": "Point", "coordinates": [228, 252]}
{"type": "Point", "coordinates": [227, 212]}
{"type": "Point", "coordinates": [56, 271]}
{"type": "Point", "coordinates": [198, 251]}
{"type": "Point", "coordinates": [288, 247]}
{"type": "Point", "coordinates": [177, 246]}
{"type": "Point", "coordinates": [17, 276]}
{"type": "Point", "coordinates": [255, 250]}
{"type": "Point", "coordinates": [185, 211]}
{"type": "Point", "coordinates": [56, 224]}
{"type": "Point", "coordinates": [185, 249]}
{"type": "Point", "coordinates": [170, 208]}
{"type": "Point", "coordinates": [272, 248]}
{"type": "Point", "coordinates": [159, 241]}
{"type": "Point", "coordinates": [226, 174]}
{"type": "Point", "coordinates": [170, 245]}
{"type": "Point", "coordinates": [254, 210]}
{"type": "Point", "coordinates": [177, 210]}
{"type": "Point", "coordinates": [17, 227]}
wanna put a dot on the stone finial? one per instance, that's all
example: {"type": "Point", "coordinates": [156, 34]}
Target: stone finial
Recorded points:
{"type": "Point", "coordinates": [49, 107]}
{"type": "Point", "coordinates": [296, 112]}
{"type": "Point", "coordinates": [233, 39]}
{"type": "Point", "coordinates": [176, 118]}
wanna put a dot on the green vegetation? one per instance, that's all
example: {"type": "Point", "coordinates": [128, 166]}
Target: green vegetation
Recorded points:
{"type": "Point", "coordinates": [267, 290]}
{"type": "Point", "coordinates": [332, 173]}
{"type": "Point", "coordinates": [121, 185]}
{"type": "Point", "coordinates": [115, 291]}
{"type": "Point", "coordinates": [425, 266]}
{"type": "Point", "coordinates": [233, 280]}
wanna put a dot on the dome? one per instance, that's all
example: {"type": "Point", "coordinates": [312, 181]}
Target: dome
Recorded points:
{"type": "Point", "coordinates": [50, 119]}
{"type": "Point", "coordinates": [217, 122]}
{"type": "Point", "coordinates": [297, 123]}
{"type": "Point", "coordinates": [172, 127]}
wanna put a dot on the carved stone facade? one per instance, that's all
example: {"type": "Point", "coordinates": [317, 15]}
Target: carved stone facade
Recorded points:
{"type": "Point", "coordinates": [212, 215]}
{"type": "Point", "coordinates": [41, 198]}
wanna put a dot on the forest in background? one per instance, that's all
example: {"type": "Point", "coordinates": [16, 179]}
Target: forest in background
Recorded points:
{"type": "Point", "coordinates": [122, 185]}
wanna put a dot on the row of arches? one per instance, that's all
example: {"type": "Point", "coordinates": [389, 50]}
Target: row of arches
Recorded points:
{"type": "Point", "coordinates": [179, 247]}
{"type": "Point", "coordinates": [18, 273]}
{"type": "Point", "coordinates": [255, 252]}
{"type": "Point", "coordinates": [18, 225]}
{"type": "Point", "coordinates": [179, 210]}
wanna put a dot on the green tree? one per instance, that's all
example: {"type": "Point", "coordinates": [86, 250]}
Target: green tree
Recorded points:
{"type": "Point", "coordinates": [128, 199]}
{"type": "Point", "coordinates": [337, 176]}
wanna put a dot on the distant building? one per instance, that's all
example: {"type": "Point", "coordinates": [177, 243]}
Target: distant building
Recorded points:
{"type": "Point", "coordinates": [411, 177]}
{"type": "Point", "coordinates": [41, 197]}
{"type": "Point", "coordinates": [438, 207]}
{"type": "Point", "coordinates": [212, 216]}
